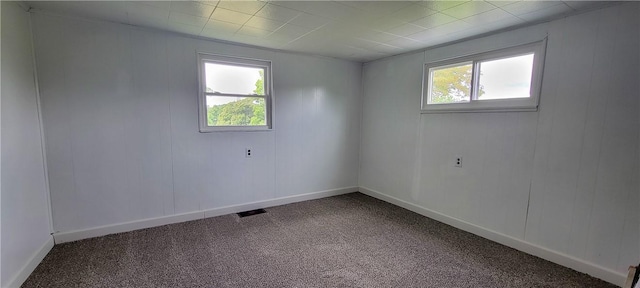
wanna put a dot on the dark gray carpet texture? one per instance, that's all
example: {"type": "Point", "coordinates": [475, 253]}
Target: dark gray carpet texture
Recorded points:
{"type": "Point", "coordinates": [351, 240]}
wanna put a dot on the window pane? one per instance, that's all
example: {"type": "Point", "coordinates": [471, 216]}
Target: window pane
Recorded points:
{"type": "Point", "coordinates": [506, 78]}
{"type": "Point", "coordinates": [230, 79]}
{"type": "Point", "coordinates": [450, 84]}
{"type": "Point", "coordinates": [236, 111]}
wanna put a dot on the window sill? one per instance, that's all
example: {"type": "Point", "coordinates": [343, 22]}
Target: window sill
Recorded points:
{"type": "Point", "coordinates": [450, 109]}
{"type": "Point", "coordinates": [236, 129]}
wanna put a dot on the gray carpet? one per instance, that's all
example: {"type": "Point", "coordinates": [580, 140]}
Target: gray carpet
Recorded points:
{"type": "Point", "coordinates": [347, 241]}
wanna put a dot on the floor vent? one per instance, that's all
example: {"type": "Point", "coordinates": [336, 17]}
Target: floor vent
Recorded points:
{"type": "Point", "coordinates": [251, 212]}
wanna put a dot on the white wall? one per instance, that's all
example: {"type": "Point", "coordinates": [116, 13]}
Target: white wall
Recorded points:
{"type": "Point", "coordinates": [564, 178]}
{"type": "Point", "coordinates": [120, 119]}
{"type": "Point", "coordinates": [25, 213]}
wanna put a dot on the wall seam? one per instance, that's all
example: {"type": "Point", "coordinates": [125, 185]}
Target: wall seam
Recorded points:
{"type": "Point", "coordinates": [45, 169]}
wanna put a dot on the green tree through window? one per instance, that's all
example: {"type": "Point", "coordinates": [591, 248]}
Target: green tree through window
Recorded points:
{"type": "Point", "coordinates": [452, 84]}
{"type": "Point", "coordinates": [249, 111]}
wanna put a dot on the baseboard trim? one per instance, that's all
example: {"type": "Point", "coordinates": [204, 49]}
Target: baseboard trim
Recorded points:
{"type": "Point", "coordinates": [278, 201]}
{"type": "Point", "coordinates": [69, 236]}
{"type": "Point", "coordinates": [579, 265]}
{"type": "Point", "coordinates": [31, 265]}
{"type": "Point", "coordinates": [75, 235]}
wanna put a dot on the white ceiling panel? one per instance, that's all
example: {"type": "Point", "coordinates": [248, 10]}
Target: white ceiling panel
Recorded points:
{"type": "Point", "coordinates": [491, 16]}
{"type": "Point", "coordinates": [524, 7]}
{"type": "Point", "coordinates": [247, 7]}
{"type": "Point", "coordinates": [412, 12]}
{"type": "Point", "coordinates": [278, 13]}
{"type": "Point", "coordinates": [193, 8]}
{"type": "Point", "coordinates": [264, 23]}
{"type": "Point", "coordinates": [354, 30]}
{"type": "Point", "coordinates": [231, 16]}
{"type": "Point", "coordinates": [308, 21]}
{"type": "Point", "coordinates": [433, 21]}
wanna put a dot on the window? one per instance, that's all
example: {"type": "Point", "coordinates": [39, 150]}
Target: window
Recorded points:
{"type": "Point", "coordinates": [234, 93]}
{"type": "Point", "coordinates": [503, 80]}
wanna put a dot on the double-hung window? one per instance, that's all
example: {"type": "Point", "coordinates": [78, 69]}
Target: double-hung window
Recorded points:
{"type": "Point", "coordinates": [234, 93]}
{"type": "Point", "coordinates": [503, 80]}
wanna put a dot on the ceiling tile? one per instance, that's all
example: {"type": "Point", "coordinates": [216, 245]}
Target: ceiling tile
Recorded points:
{"type": "Point", "coordinates": [525, 7]}
{"type": "Point", "coordinates": [406, 29]}
{"type": "Point", "coordinates": [354, 30]}
{"type": "Point", "coordinates": [434, 20]}
{"type": "Point", "coordinates": [264, 23]}
{"type": "Point", "coordinates": [192, 8]}
{"type": "Point", "coordinates": [331, 10]}
{"type": "Point", "coordinates": [277, 13]}
{"type": "Point", "coordinates": [489, 16]}
{"type": "Point", "coordinates": [441, 5]}
{"type": "Point", "coordinates": [381, 24]}
{"type": "Point", "coordinates": [213, 3]}
{"type": "Point", "coordinates": [222, 14]}
{"type": "Point", "coordinates": [292, 31]}
{"type": "Point", "coordinates": [309, 21]}
{"type": "Point", "coordinates": [412, 12]}
{"type": "Point", "coordinates": [221, 26]}
{"type": "Point", "coordinates": [381, 37]}
{"type": "Point", "coordinates": [386, 49]}
{"type": "Point", "coordinates": [247, 7]}
{"type": "Point", "coordinates": [429, 35]}
{"type": "Point", "coordinates": [406, 43]}
{"type": "Point", "coordinates": [377, 7]}
{"type": "Point", "coordinates": [252, 31]}
{"type": "Point", "coordinates": [500, 3]}
{"type": "Point", "coordinates": [450, 28]}
{"type": "Point", "coordinates": [280, 39]}
{"type": "Point", "coordinates": [187, 19]}
{"type": "Point", "coordinates": [469, 9]}
{"type": "Point", "coordinates": [481, 28]}
{"type": "Point", "coordinates": [362, 43]}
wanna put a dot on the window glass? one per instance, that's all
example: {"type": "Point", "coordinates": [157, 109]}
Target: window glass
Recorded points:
{"type": "Point", "coordinates": [233, 79]}
{"type": "Point", "coordinates": [450, 84]}
{"type": "Point", "coordinates": [235, 94]}
{"type": "Point", "coordinates": [236, 111]}
{"type": "Point", "coordinates": [506, 78]}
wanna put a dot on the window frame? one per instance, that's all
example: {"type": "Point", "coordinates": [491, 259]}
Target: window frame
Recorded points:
{"type": "Point", "coordinates": [490, 105]}
{"type": "Point", "coordinates": [204, 58]}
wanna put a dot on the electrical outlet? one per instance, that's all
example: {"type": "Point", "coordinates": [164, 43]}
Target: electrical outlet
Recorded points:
{"type": "Point", "coordinates": [458, 162]}
{"type": "Point", "coordinates": [247, 153]}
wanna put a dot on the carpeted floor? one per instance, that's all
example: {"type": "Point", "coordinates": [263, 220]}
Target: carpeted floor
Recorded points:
{"type": "Point", "coordinates": [346, 241]}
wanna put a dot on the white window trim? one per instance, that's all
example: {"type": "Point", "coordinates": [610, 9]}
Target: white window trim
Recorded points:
{"type": "Point", "coordinates": [236, 61]}
{"type": "Point", "coordinates": [494, 105]}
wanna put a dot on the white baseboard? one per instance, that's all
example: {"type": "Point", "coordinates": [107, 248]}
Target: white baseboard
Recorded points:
{"type": "Point", "coordinates": [69, 236]}
{"type": "Point", "coordinates": [62, 237]}
{"type": "Point", "coordinates": [31, 265]}
{"type": "Point", "coordinates": [278, 201]}
{"type": "Point", "coordinates": [577, 264]}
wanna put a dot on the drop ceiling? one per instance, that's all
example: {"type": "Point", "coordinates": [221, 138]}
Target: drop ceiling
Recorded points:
{"type": "Point", "coordinates": [355, 30]}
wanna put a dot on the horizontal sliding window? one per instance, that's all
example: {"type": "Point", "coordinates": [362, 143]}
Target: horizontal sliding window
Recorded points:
{"type": "Point", "coordinates": [235, 94]}
{"type": "Point", "coordinates": [503, 80]}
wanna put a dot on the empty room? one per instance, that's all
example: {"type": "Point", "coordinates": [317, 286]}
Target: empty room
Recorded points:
{"type": "Point", "coordinates": [320, 144]}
